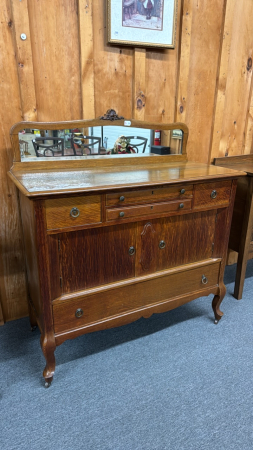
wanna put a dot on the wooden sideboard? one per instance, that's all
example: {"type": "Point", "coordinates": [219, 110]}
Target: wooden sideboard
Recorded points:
{"type": "Point", "coordinates": [112, 239]}
{"type": "Point", "coordinates": [241, 235]}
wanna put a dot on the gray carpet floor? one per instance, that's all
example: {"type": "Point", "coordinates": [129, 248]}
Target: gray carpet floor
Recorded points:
{"type": "Point", "coordinates": [173, 382]}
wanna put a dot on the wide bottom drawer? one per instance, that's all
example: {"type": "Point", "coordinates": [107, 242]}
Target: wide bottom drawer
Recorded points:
{"type": "Point", "coordinates": [115, 301]}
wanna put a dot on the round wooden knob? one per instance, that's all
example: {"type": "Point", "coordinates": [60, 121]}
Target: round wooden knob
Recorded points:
{"type": "Point", "coordinates": [122, 198]}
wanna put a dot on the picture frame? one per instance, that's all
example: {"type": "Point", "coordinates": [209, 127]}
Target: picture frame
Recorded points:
{"type": "Point", "coordinates": [142, 23]}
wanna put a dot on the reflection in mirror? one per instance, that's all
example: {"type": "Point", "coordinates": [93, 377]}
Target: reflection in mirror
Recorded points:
{"type": "Point", "coordinates": [99, 140]}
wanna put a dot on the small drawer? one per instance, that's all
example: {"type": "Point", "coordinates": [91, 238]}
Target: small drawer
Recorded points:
{"type": "Point", "coordinates": [119, 300]}
{"type": "Point", "coordinates": [212, 194]}
{"type": "Point", "coordinates": [73, 211]}
{"type": "Point", "coordinates": [147, 210]}
{"type": "Point", "coordinates": [149, 195]}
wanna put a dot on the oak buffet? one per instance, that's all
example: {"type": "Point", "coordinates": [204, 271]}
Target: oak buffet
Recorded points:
{"type": "Point", "coordinates": [109, 240]}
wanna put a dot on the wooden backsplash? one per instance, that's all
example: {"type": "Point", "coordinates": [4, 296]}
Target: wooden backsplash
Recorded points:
{"type": "Point", "coordinates": [65, 70]}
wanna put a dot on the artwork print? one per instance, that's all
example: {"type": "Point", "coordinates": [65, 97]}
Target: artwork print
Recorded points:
{"type": "Point", "coordinates": [142, 22]}
{"type": "Point", "coordinates": [143, 14]}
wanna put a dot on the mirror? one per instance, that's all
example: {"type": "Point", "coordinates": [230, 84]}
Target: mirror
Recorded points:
{"type": "Point", "coordinates": [104, 140]}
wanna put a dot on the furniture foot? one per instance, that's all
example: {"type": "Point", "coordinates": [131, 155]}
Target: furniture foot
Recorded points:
{"type": "Point", "coordinates": [48, 347]}
{"type": "Point", "coordinates": [48, 382]}
{"type": "Point", "coordinates": [216, 303]}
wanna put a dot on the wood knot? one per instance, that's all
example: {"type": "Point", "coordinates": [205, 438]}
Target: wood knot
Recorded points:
{"type": "Point", "coordinates": [249, 64]}
{"type": "Point", "coordinates": [140, 100]}
{"type": "Point", "coordinates": [181, 109]}
{"type": "Point", "coordinates": [10, 23]}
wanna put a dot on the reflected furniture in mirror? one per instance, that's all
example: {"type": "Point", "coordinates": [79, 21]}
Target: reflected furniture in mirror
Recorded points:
{"type": "Point", "coordinates": [241, 234]}
{"type": "Point", "coordinates": [113, 238]}
{"type": "Point", "coordinates": [82, 145]}
{"type": "Point", "coordinates": [43, 147]}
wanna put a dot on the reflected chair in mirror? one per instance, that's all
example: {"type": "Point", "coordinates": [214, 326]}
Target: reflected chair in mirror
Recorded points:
{"type": "Point", "coordinates": [138, 145]}
{"type": "Point", "coordinates": [85, 145]}
{"type": "Point", "coordinates": [43, 147]}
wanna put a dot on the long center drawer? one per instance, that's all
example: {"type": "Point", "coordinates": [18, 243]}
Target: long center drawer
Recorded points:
{"type": "Point", "coordinates": [143, 210]}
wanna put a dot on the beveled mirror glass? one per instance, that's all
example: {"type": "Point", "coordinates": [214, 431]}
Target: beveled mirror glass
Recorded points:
{"type": "Point", "coordinates": [101, 140]}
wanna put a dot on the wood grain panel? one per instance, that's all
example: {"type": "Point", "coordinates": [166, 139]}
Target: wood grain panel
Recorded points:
{"type": "Point", "coordinates": [86, 58]}
{"type": "Point", "coordinates": [95, 257]}
{"type": "Point", "coordinates": [196, 233]}
{"type": "Point", "coordinates": [12, 263]}
{"type": "Point", "coordinates": [249, 129]}
{"type": "Point", "coordinates": [24, 59]}
{"type": "Point", "coordinates": [162, 72]}
{"type": "Point", "coordinates": [239, 81]}
{"type": "Point", "coordinates": [196, 237]}
{"type": "Point", "coordinates": [29, 236]}
{"type": "Point", "coordinates": [56, 58]}
{"type": "Point", "coordinates": [117, 301]}
{"type": "Point", "coordinates": [87, 210]}
{"type": "Point", "coordinates": [139, 83]}
{"type": "Point", "coordinates": [113, 68]}
{"type": "Point", "coordinates": [203, 192]}
{"type": "Point", "coordinates": [219, 110]}
{"type": "Point", "coordinates": [207, 21]}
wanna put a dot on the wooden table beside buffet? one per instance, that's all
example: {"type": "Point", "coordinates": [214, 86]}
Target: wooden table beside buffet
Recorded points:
{"type": "Point", "coordinates": [241, 235]}
{"type": "Point", "coordinates": [111, 239]}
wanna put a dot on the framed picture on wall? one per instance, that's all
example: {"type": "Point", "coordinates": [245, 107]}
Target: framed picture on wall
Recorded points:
{"type": "Point", "coordinates": [142, 23]}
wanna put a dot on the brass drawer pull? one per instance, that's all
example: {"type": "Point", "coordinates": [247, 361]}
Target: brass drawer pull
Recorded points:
{"type": "Point", "coordinates": [131, 251]}
{"type": "Point", "coordinates": [74, 212]}
{"type": "Point", "coordinates": [213, 194]}
{"type": "Point", "coordinates": [79, 313]}
{"type": "Point", "coordinates": [162, 244]}
{"type": "Point", "coordinates": [204, 279]}
{"type": "Point", "coordinates": [182, 191]}
{"type": "Point", "coordinates": [122, 198]}
{"type": "Point", "coordinates": [181, 205]}
{"type": "Point", "coordinates": [121, 214]}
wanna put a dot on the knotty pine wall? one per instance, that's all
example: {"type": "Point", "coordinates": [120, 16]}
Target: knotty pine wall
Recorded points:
{"type": "Point", "coordinates": [65, 70]}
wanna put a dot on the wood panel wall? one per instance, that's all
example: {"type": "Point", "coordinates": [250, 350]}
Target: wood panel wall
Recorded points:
{"type": "Point", "coordinates": [66, 70]}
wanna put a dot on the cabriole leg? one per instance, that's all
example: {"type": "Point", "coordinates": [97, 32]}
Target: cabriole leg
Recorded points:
{"type": "Point", "coordinates": [216, 303]}
{"type": "Point", "coordinates": [48, 347]}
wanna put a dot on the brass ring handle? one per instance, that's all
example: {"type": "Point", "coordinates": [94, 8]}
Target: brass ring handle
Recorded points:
{"type": "Point", "coordinates": [79, 313]}
{"type": "Point", "coordinates": [181, 205]}
{"type": "Point", "coordinates": [204, 279]}
{"type": "Point", "coordinates": [131, 251]}
{"type": "Point", "coordinates": [214, 194]}
{"type": "Point", "coordinates": [122, 198]}
{"type": "Point", "coordinates": [121, 214]}
{"type": "Point", "coordinates": [162, 244]}
{"type": "Point", "coordinates": [182, 191]}
{"type": "Point", "coordinates": [74, 212]}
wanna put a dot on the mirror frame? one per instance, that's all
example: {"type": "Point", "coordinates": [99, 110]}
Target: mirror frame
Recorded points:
{"type": "Point", "coordinates": [101, 121]}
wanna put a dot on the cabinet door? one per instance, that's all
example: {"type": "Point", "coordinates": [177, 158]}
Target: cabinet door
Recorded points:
{"type": "Point", "coordinates": [174, 241]}
{"type": "Point", "coordinates": [95, 257]}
